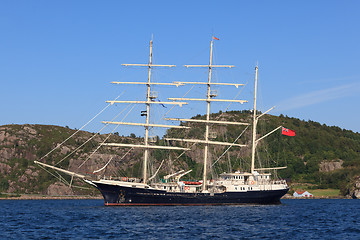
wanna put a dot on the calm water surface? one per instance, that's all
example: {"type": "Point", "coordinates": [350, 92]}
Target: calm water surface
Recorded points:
{"type": "Point", "coordinates": [89, 219]}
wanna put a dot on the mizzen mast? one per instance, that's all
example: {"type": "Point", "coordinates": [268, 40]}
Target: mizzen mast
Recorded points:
{"type": "Point", "coordinates": [254, 126]}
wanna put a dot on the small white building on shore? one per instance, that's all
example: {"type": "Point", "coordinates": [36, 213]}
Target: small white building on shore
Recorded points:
{"type": "Point", "coordinates": [302, 194]}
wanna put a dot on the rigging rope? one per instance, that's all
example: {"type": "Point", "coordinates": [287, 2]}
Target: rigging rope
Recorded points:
{"type": "Point", "coordinates": [157, 170]}
{"type": "Point", "coordinates": [52, 174]}
{"type": "Point", "coordinates": [111, 159]}
{"type": "Point", "coordinates": [221, 115]}
{"type": "Point", "coordinates": [90, 138]}
{"type": "Point", "coordinates": [114, 130]}
{"type": "Point", "coordinates": [229, 147]}
{"type": "Point", "coordinates": [80, 128]}
{"type": "Point", "coordinates": [170, 111]}
{"type": "Point", "coordinates": [235, 98]}
{"type": "Point", "coordinates": [106, 138]}
{"type": "Point", "coordinates": [175, 105]}
{"type": "Point", "coordinates": [61, 179]}
{"type": "Point", "coordinates": [104, 166]}
{"type": "Point", "coordinates": [213, 124]}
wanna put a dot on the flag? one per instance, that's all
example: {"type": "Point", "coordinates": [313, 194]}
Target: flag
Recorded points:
{"type": "Point", "coordinates": [215, 38]}
{"type": "Point", "coordinates": [288, 132]}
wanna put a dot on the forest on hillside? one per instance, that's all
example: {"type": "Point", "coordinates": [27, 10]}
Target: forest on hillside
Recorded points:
{"type": "Point", "coordinates": [313, 146]}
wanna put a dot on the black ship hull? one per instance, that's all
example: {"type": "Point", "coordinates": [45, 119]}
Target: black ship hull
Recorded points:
{"type": "Point", "coordinates": [115, 195]}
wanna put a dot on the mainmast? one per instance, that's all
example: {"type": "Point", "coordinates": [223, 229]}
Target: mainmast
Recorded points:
{"type": "Point", "coordinates": [146, 153]}
{"type": "Point", "coordinates": [254, 126]}
{"type": "Point", "coordinates": [209, 98]}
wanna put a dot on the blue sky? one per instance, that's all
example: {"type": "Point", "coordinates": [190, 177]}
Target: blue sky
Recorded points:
{"type": "Point", "coordinates": [57, 58]}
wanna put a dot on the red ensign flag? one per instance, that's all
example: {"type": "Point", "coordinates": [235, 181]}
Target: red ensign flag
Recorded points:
{"type": "Point", "coordinates": [288, 132]}
{"type": "Point", "coordinates": [215, 38]}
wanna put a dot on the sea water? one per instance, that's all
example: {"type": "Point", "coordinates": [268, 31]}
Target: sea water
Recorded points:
{"type": "Point", "coordinates": [90, 219]}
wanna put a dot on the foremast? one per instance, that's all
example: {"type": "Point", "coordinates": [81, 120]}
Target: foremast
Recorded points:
{"type": "Point", "coordinates": [207, 119]}
{"type": "Point", "coordinates": [148, 102]}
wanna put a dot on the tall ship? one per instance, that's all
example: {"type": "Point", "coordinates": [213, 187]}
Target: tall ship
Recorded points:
{"type": "Point", "coordinates": [254, 186]}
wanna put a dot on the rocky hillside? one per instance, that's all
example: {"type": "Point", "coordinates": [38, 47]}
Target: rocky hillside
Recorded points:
{"type": "Point", "coordinates": [325, 157]}
{"type": "Point", "coordinates": [20, 145]}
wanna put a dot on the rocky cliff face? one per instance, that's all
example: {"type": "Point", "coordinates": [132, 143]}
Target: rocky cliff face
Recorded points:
{"type": "Point", "coordinates": [59, 189]}
{"type": "Point", "coordinates": [328, 166]}
{"type": "Point", "coordinates": [20, 145]}
{"type": "Point", "coordinates": [354, 190]}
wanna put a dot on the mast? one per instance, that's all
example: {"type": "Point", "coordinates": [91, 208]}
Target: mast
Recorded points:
{"type": "Point", "coordinates": [146, 153]}
{"type": "Point", "coordinates": [208, 100]}
{"type": "Point", "coordinates": [255, 120]}
{"type": "Point", "coordinates": [149, 100]}
{"type": "Point", "coordinates": [254, 126]}
{"type": "Point", "coordinates": [207, 119]}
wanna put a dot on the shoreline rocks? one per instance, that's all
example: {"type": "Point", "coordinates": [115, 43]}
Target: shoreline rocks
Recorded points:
{"type": "Point", "coordinates": [354, 190]}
